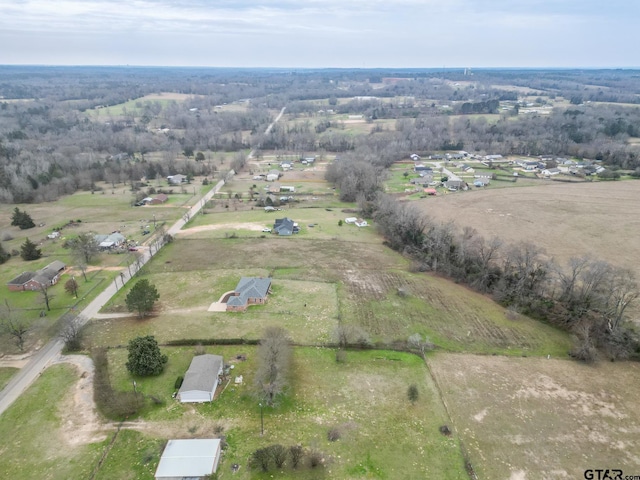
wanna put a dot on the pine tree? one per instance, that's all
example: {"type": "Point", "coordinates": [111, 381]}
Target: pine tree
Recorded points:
{"type": "Point", "coordinates": [21, 219]}
{"type": "Point", "coordinates": [29, 251]}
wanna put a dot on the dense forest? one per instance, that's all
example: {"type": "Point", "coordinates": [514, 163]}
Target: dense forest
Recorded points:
{"type": "Point", "coordinates": [54, 140]}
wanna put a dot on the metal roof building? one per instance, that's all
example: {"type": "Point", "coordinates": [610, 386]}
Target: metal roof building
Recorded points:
{"type": "Point", "coordinates": [201, 380]}
{"type": "Point", "coordinates": [189, 459]}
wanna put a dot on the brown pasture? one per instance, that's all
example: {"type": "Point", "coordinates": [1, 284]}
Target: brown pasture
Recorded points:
{"type": "Point", "coordinates": [599, 219]}
{"type": "Point", "coordinates": [539, 418]}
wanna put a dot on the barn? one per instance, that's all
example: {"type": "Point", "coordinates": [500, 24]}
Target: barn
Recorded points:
{"type": "Point", "coordinates": [201, 380]}
{"type": "Point", "coordinates": [189, 459]}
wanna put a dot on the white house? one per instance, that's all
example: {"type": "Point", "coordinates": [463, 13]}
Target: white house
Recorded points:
{"type": "Point", "coordinates": [201, 380]}
{"type": "Point", "coordinates": [361, 223]}
{"type": "Point", "coordinates": [191, 459]}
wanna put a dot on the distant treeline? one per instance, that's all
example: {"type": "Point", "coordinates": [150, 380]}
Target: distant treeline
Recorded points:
{"type": "Point", "coordinates": [52, 145]}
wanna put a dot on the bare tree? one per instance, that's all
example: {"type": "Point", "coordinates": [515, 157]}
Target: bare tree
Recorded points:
{"type": "Point", "coordinates": [14, 325]}
{"type": "Point", "coordinates": [417, 342]}
{"type": "Point", "coordinates": [274, 357]}
{"type": "Point", "coordinates": [72, 332]}
{"type": "Point", "coordinates": [83, 268]}
{"type": "Point", "coordinates": [84, 247]}
{"type": "Point", "coordinates": [71, 287]}
{"type": "Point", "coordinates": [623, 290]}
{"type": "Point", "coordinates": [46, 296]}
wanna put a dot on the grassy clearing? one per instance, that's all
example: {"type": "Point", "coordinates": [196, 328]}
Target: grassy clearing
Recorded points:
{"type": "Point", "coordinates": [133, 456]}
{"type": "Point", "coordinates": [539, 418]}
{"type": "Point", "coordinates": [355, 280]}
{"type": "Point", "coordinates": [249, 224]}
{"type": "Point", "coordinates": [30, 442]}
{"type": "Point", "coordinates": [383, 435]}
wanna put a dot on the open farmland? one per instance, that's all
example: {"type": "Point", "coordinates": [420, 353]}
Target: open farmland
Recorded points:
{"type": "Point", "coordinates": [600, 219]}
{"type": "Point", "coordinates": [539, 419]}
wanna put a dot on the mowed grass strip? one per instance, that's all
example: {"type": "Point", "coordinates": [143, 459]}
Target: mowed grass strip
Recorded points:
{"type": "Point", "coordinates": [382, 434]}
{"type": "Point", "coordinates": [30, 439]}
{"type": "Point", "coordinates": [540, 419]}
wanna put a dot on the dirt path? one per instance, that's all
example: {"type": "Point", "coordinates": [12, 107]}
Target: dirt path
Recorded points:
{"type": "Point", "coordinates": [15, 361]}
{"type": "Point", "coordinates": [81, 423]}
{"type": "Point", "coordinates": [256, 227]}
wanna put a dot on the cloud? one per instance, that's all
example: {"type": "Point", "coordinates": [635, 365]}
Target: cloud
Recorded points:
{"type": "Point", "coordinates": [298, 32]}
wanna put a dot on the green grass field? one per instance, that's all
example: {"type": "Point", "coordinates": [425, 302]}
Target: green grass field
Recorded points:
{"type": "Point", "coordinates": [318, 276]}
{"type": "Point", "coordinates": [382, 434]}
{"type": "Point", "coordinates": [31, 441]}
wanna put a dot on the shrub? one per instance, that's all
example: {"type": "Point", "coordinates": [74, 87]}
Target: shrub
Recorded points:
{"type": "Point", "coordinates": [296, 452]}
{"type": "Point", "coordinates": [333, 434]}
{"type": "Point", "coordinates": [316, 458]}
{"type": "Point", "coordinates": [178, 382]}
{"type": "Point", "coordinates": [444, 429]}
{"type": "Point", "coordinates": [278, 454]}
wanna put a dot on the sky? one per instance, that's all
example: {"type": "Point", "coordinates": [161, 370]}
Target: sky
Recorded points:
{"type": "Point", "coordinates": [322, 33]}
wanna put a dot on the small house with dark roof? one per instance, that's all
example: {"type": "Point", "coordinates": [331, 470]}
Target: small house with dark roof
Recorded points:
{"type": "Point", "coordinates": [45, 277]}
{"type": "Point", "coordinates": [285, 227]}
{"type": "Point", "coordinates": [202, 379]}
{"type": "Point", "coordinates": [249, 291]}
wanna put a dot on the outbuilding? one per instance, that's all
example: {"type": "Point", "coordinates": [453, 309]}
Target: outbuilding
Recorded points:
{"type": "Point", "coordinates": [201, 380]}
{"type": "Point", "coordinates": [193, 459]}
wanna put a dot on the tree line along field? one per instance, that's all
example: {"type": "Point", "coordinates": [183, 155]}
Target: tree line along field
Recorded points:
{"type": "Point", "coordinates": [597, 219]}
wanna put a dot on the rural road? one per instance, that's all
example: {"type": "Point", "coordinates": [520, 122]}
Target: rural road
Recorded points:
{"type": "Point", "coordinates": [42, 358]}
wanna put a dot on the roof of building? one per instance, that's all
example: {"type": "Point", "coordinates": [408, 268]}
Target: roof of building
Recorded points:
{"type": "Point", "coordinates": [21, 279]}
{"type": "Point", "coordinates": [283, 226]}
{"type": "Point", "coordinates": [110, 240]}
{"type": "Point", "coordinates": [188, 458]}
{"type": "Point", "coordinates": [202, 373]}
{"type": "Point", "coordinates": [44, 276]}
{"type": "Point", "coordinates": [249, 287]}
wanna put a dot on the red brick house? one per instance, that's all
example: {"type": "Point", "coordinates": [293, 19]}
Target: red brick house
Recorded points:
{"type": "Point", "coordinates": [44, 277]}
{"type": "Point", "coordinates": [249, 291]}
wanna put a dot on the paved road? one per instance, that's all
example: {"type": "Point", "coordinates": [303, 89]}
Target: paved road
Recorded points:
{"type": "Point", "coordinates": [32, 370]}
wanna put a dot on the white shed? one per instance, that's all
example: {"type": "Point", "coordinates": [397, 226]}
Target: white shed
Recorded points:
{"type": "Point", "coordinates": [201, 379]}
{"type": "Point", "coordinates": [190, 458]}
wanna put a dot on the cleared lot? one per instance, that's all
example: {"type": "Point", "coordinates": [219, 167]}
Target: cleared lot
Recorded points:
{"type": "Point", "coordinates": [534, 418]}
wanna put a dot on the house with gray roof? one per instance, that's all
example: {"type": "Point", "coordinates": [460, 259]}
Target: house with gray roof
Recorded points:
{"type": "Point", "coordinates": [249, 291]}
{"type": "Point", "coordinates": [201, 380]}
{"type": "Point", "coordinates": [112, 240]}
{"type": "Point", "coordinates": [285, 227]}
{"type": "Point", "coordinates": [45, 277]}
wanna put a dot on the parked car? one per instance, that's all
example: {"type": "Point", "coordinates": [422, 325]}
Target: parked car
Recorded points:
{"type": "Point", "coordinates": [266, 230]}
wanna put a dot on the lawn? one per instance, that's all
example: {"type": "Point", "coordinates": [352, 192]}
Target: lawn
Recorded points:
{"type": "Point", "coordinates": [316, 281]}
{"type": "Point", "coordinates": [382, 435]}
{"type": "Point", "coordinates": [32, 443]}
{"type": "Point", "coordinates": [545, 419]}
